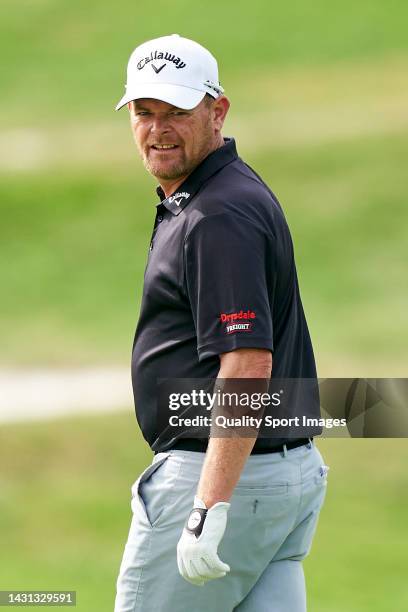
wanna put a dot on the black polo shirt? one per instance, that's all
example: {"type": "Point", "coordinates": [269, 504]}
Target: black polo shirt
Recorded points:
{"type": "Point", "coordinates": [220, 276]}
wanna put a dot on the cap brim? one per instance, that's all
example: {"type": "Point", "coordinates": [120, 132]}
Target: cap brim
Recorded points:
{"type": "Point", "coordinates": [177, 95]}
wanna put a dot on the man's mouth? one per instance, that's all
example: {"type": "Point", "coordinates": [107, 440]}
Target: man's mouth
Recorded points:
{"type": "Point", "coordinates": [164, 147]}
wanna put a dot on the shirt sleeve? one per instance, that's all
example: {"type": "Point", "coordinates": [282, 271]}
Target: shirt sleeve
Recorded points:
{"type": "Point", "coordinates": [226, 277]}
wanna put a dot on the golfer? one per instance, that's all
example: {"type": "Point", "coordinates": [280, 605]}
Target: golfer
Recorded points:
{"type": "Point", "coordinates": [219, 523]}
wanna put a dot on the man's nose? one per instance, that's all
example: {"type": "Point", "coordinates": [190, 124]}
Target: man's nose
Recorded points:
{"type": "Point", "coordinates": [160, 124]}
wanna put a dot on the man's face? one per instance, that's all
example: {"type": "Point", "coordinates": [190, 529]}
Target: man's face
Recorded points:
{"type": "Point", "coordinates": [172, 141]}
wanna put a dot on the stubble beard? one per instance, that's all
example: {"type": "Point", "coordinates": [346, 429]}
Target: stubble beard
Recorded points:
{"type": "Point", "coordinates": [181, 168]}
{"type": "Point", "coordinates": [170, 172]}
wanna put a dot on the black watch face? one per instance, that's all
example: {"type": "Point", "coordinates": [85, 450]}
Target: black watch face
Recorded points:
{"type": "Point", "coordinates": [194, 520]}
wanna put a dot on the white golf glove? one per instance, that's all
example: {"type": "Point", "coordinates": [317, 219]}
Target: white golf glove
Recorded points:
{"type": "Point", "coordinates": [197, 556]}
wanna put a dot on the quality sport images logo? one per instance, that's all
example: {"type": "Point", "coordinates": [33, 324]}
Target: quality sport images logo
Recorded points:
{"type": "Point", "coordinates": [238, 321]}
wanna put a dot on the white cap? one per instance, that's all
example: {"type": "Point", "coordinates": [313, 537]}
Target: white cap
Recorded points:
{"type": "Point", "coordinates": [172, 69]}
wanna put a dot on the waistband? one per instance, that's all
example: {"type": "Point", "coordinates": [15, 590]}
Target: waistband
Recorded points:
{"type": "Point", "coordinates": [200, 445]}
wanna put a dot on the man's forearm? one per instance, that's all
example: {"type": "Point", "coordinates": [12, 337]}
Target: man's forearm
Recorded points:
{"type": "Point", "coordinates": [226, 456]}
{"type": "Point", "coordinates": [197, 550]}
{"type": "Point", "coordinates": [223, 464]}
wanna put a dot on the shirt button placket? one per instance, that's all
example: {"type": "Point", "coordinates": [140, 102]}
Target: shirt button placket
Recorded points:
{"type": "Point", "coordinates": [159, 219]}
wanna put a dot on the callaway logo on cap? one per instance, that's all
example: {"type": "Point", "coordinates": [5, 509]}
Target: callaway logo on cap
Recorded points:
{"type": "Point", "coordinates": [173, 69]}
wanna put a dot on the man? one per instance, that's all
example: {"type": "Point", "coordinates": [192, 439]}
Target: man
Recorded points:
{"type": "Point", "coordinates": [232, 515]}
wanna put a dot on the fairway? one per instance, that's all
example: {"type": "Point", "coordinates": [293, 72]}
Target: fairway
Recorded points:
{"type": "Point", "coordinates": [319, 107]}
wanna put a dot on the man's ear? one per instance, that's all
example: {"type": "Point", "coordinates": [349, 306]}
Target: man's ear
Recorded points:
{"type": "Point", "coordinates": [220, 109]}
{"type": "Point", "coordinates": [129, 105]}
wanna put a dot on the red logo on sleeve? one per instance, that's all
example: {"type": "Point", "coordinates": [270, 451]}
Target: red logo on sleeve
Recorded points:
{"type": "Point", "coordinates": [238, 321]}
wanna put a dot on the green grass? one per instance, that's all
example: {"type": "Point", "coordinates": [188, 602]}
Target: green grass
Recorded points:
{"type": "Point", "coordinates": [75, 258]}
{"type": "Point", "coordinates": [64, 508]}
{"type": "Point", "coordinates": [359, 555]}
{"type": "Point", "coordinates": [65, 495]}
{"type": "Point", "coordinates": [68, 59]}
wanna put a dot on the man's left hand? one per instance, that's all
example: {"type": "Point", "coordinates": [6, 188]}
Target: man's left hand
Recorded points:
{"type": "Point", "coordinates": [197, 555]}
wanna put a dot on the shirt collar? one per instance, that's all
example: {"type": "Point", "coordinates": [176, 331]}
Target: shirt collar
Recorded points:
{"type": "Point", "coordinates": [207, 168]}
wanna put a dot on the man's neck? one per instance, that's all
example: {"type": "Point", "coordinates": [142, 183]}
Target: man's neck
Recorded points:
{"type": "Point", "coordinates": [170, 187]}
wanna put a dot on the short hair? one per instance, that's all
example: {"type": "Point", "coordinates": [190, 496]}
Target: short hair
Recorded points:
{"type": "Point", "coordinates": [208, 99]}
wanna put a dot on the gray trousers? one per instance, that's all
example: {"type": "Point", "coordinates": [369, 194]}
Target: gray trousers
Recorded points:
{"type": "Point", "coordinates": [271, 523]}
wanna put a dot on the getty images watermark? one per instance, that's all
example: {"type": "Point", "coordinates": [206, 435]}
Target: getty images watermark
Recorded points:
{"type": "Point", "coordinates": [336, 407]}
{"type": "Point", "coordinates": [238, 401]}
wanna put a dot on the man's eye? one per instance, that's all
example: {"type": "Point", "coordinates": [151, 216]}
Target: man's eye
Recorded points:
{"type": "Point", "coordinates": [141, 113]}
{"type": "Point", "coordinates": [179, 113]}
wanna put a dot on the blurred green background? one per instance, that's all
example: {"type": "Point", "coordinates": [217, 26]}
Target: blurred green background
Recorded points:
{"type": "Point", "coordinates": [319, 98]}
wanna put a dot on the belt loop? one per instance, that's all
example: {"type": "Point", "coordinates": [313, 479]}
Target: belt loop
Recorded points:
{"type": "Point", "coordinates": [285, 450]}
